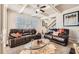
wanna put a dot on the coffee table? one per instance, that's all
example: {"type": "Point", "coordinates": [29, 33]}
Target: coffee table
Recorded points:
{"type": "Point", "coordinates": [45, 47]}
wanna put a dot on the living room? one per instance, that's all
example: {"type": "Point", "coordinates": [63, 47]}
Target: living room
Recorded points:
{"type": "Point", "coordinates": [35, 26]}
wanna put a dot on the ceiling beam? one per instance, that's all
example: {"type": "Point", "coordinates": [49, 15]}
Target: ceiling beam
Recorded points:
{"type": "Point", "coordinates": [54, 8]}
{"type": "Point", "coordinates": [56, 5]}
{"type": "Point", "coordinates": [22, 9]}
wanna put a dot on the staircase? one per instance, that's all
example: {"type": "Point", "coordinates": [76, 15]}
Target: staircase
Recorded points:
{"type": "Point", "coordinates": [52, 24]}
{"type": "Point", "coordinates": [49, 24]}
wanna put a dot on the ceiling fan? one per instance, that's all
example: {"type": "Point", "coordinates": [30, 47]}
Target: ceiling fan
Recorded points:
{"type": "Point", "coordinates": [40, 8]}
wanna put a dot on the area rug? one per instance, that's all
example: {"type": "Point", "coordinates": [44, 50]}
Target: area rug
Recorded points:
{"type": "Point", "coordinates": [61, 49]}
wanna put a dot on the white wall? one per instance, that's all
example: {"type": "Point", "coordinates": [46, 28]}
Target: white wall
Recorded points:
{"type": "Point", "coordinates": [74, 30]}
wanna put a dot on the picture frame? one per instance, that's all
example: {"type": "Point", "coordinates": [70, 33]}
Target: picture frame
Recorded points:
{"type": "Point", "coordinates": [71, 19]}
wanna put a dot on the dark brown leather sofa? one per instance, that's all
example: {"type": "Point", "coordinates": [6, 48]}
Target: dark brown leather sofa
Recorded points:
{"type": "Point", "coordinates": [27, 36]}
{"type": "Point", "coordinates": [60, 39]}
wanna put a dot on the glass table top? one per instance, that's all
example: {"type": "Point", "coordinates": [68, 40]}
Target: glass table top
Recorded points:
{"type": "Point", "coordinates": [41, 46]}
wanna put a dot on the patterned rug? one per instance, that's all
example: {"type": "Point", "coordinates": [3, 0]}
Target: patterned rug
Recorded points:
{"type": "Point", "coordinates": [61, 49]}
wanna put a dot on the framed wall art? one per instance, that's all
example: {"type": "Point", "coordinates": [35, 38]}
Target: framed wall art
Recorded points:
{"type": "Point", "coordinates": [71, 19]}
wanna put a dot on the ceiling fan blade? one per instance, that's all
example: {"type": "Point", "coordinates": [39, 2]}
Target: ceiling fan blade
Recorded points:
{"type": "Point", "coordinates": [42, 10]}
{"type": "Point", "coordinates": [42, 6]}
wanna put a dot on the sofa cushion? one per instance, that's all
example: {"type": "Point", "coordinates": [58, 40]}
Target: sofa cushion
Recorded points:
{"type": "Point", "coordinates": [48, 36]}
{"type": "Point", "coordinates": [58, 38]}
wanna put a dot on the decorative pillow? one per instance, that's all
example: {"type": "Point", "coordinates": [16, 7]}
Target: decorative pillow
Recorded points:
{"type": "Point", "coordinates": [16, 35]}
{"type": "Point", "coordinates": [58, 38]}
{"type": "Point", "coordinates": [55, 33]}
{"type": "Point", "coordinates": [61, 30]}
{"type": "Point", "coordinates": [60, 34]}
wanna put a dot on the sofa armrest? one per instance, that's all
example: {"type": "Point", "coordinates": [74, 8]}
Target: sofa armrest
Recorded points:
{"type": "Point", "coordinates": [11, 43]}
{"type": "Point", "coordinates": [48, 36]}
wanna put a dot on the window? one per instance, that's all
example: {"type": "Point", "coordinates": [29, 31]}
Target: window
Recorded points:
{"type": "Point", "coordinates": [27, 22]}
